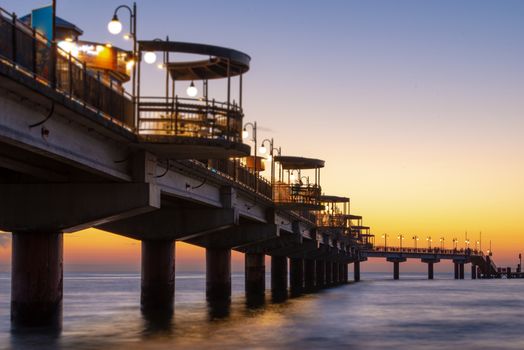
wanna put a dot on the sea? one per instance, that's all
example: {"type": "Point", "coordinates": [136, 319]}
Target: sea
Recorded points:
{"type": "Point", "coordinates": [101, 311]}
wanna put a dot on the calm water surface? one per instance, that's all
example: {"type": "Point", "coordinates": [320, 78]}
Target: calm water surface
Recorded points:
{"type": "Point", "coordinates": [101, 311]}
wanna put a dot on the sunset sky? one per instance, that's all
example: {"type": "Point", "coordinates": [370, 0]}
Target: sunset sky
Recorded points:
{"type": "Point", "coordinates": [416, 106]}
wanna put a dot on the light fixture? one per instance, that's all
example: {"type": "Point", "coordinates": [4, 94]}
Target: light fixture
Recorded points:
{"type": "Point", "coordinates": [269, 158]}
{"type": "Point", "coordinates": [109, 45]}
{"type": "Point", "coordinates": [245, 134]}
{"type": "Point", "coordinates": [149, 57]}
{"type": "Point", "coordinates": [127, 36]}
{"type": "Point", "coordinates": [130, 64]}
{"type": "Point", "coordinates": [115, 26]}
{"type": "Point", "coordinates": [192, 91]}
{"type": "Point", "coordinates": [262, 149]}
{"type": "Point", "coordinates": [160, 66]}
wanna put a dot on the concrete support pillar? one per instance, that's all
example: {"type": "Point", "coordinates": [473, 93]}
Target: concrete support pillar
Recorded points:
{"type": "Point", "coordinates": [396, 270]}
{"type": "Point", "coordinates": [329, 273]}
{"type": "Point", "coordinates": [158, 277]}
{"type": "Point", "coordinates": [278, 274]}
{"type": "Point", "coordinates": [296, 275]}
{"type": "Point", "coordinates": [309, 274]}
{"type": "Point", "coordinates": [320, 267]}
{"type": "Point", "coordinates": [473, 271]}
{"type": "Point", "coordinates": [430, 270]}
{"type": "Point", "coordinates": [356, 271]}
{"type": "Point", "coordinates": [335, 274]}
{"type": "Point", "coordinates": [346, 272]}
{"type": "Point", "coordinates": [218, 274]}
{"type": "Point", "coordinates": [37, 272]}
{"type": "Point", "coordinates": [255, 273]}
{"type": "Point", "coordinates": [456, 265]}
{"type": "Point", "coordinates": [461, 271]}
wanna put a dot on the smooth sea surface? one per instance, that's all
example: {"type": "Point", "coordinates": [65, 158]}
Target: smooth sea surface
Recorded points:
{"type": "Point", "coordinates": [101, 311]}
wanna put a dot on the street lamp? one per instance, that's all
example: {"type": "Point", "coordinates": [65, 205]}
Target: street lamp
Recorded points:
{"type": "Point", "coordinates": [400, 238]}
{"type": "Point", "coordinates": [245, 135]}
{"type": "Point", "coordinates": [385, 236]}
{"type": "Point", "coordinates": [415, 240]}
{"type": "Point", "coordinates": [192, 90]}
{"type": "Point", "coordinates": [429, 241]}
{"type": "Point", "coordinates": [442, 243]}
{"type": "Point", "coordinates": [455, 242]}
{"type": "Point", "coordinates": [115, 27]}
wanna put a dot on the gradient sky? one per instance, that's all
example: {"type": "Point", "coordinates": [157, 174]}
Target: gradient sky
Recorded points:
{"type": "Point", "coordinates": [416, 106]}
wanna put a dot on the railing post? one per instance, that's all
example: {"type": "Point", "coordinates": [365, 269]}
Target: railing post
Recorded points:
{"type": "Point", "coordinates": [70, 75]}
{"type": "Point", "coordinates": [176, 115]}
{"type": "Point", "coordinates": [33, 53]}
{"type": "Point", "coordinates": [84, 83]}
{"type": "Point", "coordinates": [13, 37]}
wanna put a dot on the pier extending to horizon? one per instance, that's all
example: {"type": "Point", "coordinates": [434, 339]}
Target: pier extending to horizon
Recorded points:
{"type": "Point", "coordinates": [78, 151]}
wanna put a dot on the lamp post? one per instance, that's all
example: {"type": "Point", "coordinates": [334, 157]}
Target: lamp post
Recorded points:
{"type": "Point", "coordinates": [115, 27]}
{"type": "Point", "coordinates": [455, 242]}
{"type": "Point", "coordinates": [400, 238]}
{"type": "Point", "coordinates": [263, 150]}
{"type": "Point", "coordinates": [245, 135]}
{"type": "Point", "coordinates": [415, 240]}
{"type": "Point", "coordinates": [442, 239]}
{"type": "Point", "coordinates": [429, 241]}
{"type": "Point", "coordinates": [385, 236]}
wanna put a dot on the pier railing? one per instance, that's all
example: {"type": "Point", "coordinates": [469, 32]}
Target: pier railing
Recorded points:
{"type": "Point", "coordinates": [435, 250]}
{"type": "Point", "coordinates": [189, 117]}
{"type": "Point", "coordinates": [30, 53]}
{"type": "Point", "coordinates": [284, 193]}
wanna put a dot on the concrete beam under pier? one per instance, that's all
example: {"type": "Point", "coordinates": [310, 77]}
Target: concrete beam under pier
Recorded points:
{"type": "Point", "coordinates": [72, 207]}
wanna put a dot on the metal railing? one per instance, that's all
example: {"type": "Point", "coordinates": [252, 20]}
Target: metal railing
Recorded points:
{"type": "Point", "coordinates": [332, 220]}
{"type": "Point", "coordinates": [29, 52]}
{"type": "Point", "coordinates": [284, 193]}
{"type": "Point", "coordinates": [466, 252]}
{"type": "Point", "coordinates": [233, 170]}
{"type": "Point", "coordinates": [200, 118]}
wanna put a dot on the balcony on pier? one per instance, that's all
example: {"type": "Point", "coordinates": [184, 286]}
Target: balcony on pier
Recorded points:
{"type": "Point", "coordinates": [298, 184]}
{"type": "Point", "coordinates": [197, 126]}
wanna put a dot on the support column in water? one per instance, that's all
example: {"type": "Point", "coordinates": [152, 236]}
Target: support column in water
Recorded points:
{"type": "Point", "coordinates": [346, 272]}
{"type": "Point", "coordinates": [473, 271]}
{"type": "Point", "coordinates": [396, 266]}
{"type": "Point", "coordinates": [329, 274]}
{"type": "Point", "coordinates": [320, 267]}
{"type": "Point", "coordinates": [309, 274]}
{"type": "Point", "coordinates": [356, 271]}
{"type": "Point", "coordinates": [218, 274]}
{"type": "Point", "coordinates": [255, 273]}
{"type": "Point", "coordinates": [431, 264]}
{"type": "Point", "coordinates": [461, 271]}
{"type": "Point", "coordinates": [158, 277]}
{"type": "Point", "coordinates": [296, 275]}
{"type": "Point", "coordinates": [455, 264]}
{"type": "Point", "coordinates": [335, 274]}
{"type": "Point", "coordinates": [36, 279]}
{"type": "Point", "coordinates": [279, 275]}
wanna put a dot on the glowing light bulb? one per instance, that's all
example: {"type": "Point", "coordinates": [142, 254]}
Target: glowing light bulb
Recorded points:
{"type": "Point", "coordinates": [115, 26]}
{"type": "Point", "coordinates": [127, 36]}
{"type": "Point", "coordinates": [149, 57]}
{"type": "Point", "coordinates": [262, 149]}
{"type": "Point", "coordinates": [130, 64]}
{"type": "Point", "coordinates": [160, 66]}
{"type": "Point", "coordinates": [192, 91]}
{"type": "Point", "coordinates": [293, 177]}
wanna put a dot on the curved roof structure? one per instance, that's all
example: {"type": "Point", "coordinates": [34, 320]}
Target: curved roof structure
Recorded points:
{"type": "Point", "coordinates": [215, 67]}
{"type": "Point", "coordinates": [297, 163]}
{"type": "Point", "coordinates": [334, 199]}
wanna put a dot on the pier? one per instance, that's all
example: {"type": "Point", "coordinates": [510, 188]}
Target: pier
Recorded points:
{"type": "Point", "coordinates": [77, 150]}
